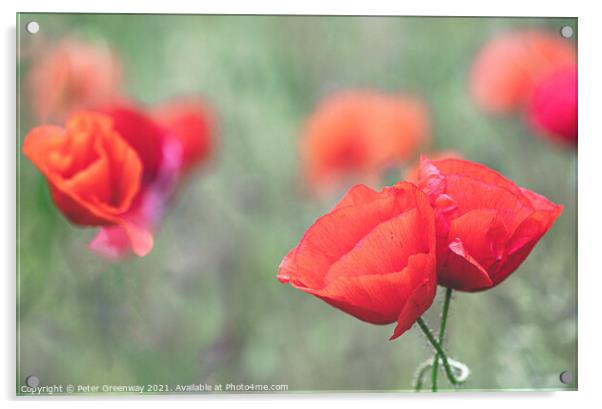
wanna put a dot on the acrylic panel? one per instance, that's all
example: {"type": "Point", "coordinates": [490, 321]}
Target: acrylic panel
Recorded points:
{"type": "Point", "coordinates": [280, 204]}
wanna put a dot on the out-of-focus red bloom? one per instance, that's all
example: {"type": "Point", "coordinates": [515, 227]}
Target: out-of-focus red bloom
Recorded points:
{"type": "Point", "coordinates": [486, 224]}
{"type": "Point", "coordinates": [93, 174]}
{"type": "Point", "coordinates": [372, 256]}
{"type": "Point", "coordinates": [161, 156]}
{"type": "Point", "coordinates": [192, 122]}
{"type": "Point", "coordinates": [507, 69]}
{"type": "Point", "coordinates": [117, 169]}
{"type": "Point", "coordinates": [553, 108]}
{"type": "Point", "coordinates": [361, 133]}
{"type": "Point", "coordinates": [72, 76]}
{"type": "Point", "coordinates": [167, 149]}
{"type": "Point", "coordinates": [412, 174]}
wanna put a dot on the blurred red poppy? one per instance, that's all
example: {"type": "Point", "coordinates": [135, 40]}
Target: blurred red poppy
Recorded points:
{"type": "Point", "coordinates": [553, 108]}
{"type": "Point", "coordinates": [360, 133]}
{"type": "Point", "coordinates": [71, 76]}
{"type": "Point", "coordinates": [507, 70]}
{"type": "Point", "coordinates": [139, 179]}
{"type": "Point", "coordinates": [93, 174]}
{"type": "Point", "coordinates": [486, 224]}
{"type": "Point", "coordinates": [192, 121]}
{"type": "Point", "coordinates": [372, 256]}
{"type": "Point", "coordinates": [163, 151]}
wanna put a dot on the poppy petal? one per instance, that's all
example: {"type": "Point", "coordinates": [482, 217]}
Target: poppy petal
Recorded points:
{"type": "Point", "coordinates": [414, 307]}
{"type": "Point", "coordinates": [486, 224]}
{"type": "Point", "coordinates": [369, 255]}
{"type": "Point", "coordinates": [384, 249]}
{"type": "Point", "coordinates": [93, 173]}
{"type": "Point", "coordinates": [115, 242]}
{"type": "Point", "coordinates": [378, 299]}
{"type": "Point", "coordinates": [462, 271]}
{"type": "Point", "coordinates": [482, 235]}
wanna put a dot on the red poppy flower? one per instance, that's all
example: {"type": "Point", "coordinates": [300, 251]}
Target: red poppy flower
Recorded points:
{"type": "Point", "coordinates": [372, 256]}
{"type": "Point", "coordinates": [71, 76]}
{"type": "Point", "coordinates": [161, 154]}
{"type": "Point", "coordinates": [553, 108]}
{"type": "Point", "coordinates": [507, 69]}
{"type": "Point", "coordinates": [116, 169]}
{"type": "Point", "coordinates": [361, 133]}
{"type": "Point", "coordinates": [94, 175]}
{"type": "Point", "coordinates": [486, 224]}
{"type": "Point", "coordinates": [192, 122]}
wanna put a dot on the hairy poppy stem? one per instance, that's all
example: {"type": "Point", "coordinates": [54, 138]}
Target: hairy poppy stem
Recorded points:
{"type": "Point", "coordinates": [442, 325]}
{"type": "Point", "coordinates": [429, 335]}
{"type": "Point", "coordinates": [419, 379]}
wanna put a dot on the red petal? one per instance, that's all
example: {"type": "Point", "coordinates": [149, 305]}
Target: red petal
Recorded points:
{"type": "Point", "coordinates": [481, 234]}
{"type": "Point", "coordinates": [477, 187]}
{"type": "Point", "coordinates": [115, 242]}
{"type": "Point", "coordinates": [381, 299]}
{"type": "Point", "coordinates": [383, 250]}
{"type": "Point", "coordinates": [462, 272]}
{"type": "Point", "coordinates": [143, 134]}
{"type": "Point", "coordinates": [111, 242]}
{"type": "Point", "coordinates": [539, 202]}
{"type": "Point", "coordinates": [192, 123]}
{"type": "Point", "coordinates": [416, 305]}
{"type": "Point", "coordinates": [369, 254]}
{"type": "Point", "coordinates": [336, 233]}
{"type": "Point", "coordinates": [524, 239]}
{"type": "Point", "coordinates": [473, 170]}
{"type": "Point", "coordinates": [93, 173]}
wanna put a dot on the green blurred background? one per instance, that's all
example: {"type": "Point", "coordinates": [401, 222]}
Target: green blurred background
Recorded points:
{"type": "Point", "coordinates": [205, 306]}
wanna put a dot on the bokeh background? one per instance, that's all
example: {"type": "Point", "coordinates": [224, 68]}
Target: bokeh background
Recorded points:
{"type": "Point", "coordinates": [205, 306]}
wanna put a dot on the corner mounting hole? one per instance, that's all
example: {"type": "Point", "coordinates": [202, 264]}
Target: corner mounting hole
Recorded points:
{"type": "Point", "coordinates": [566, 31]}
{"type": "Point", "coordinates": [32, 381]}
{"type": "Point", "coordinates": [566, 377]}
{"type": "Point", "coordinates": [32, 27]}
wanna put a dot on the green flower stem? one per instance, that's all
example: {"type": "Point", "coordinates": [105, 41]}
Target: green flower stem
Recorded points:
{"type": "Point", "coordinates": [448, 370]}
{"type": "Point", "coordinates": [420, 372]}
{"type": "Point", "coordinates": [442, 325]}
